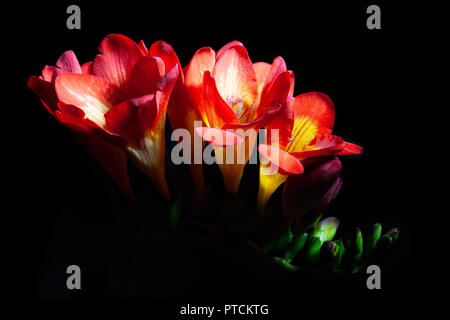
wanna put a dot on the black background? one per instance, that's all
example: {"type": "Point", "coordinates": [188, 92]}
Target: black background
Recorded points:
{"type": "Point", "coordinates": [66, 210]}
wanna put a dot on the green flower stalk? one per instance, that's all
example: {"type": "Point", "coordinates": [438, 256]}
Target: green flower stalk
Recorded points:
{"type": "Point", "coordinates": [373, 236]}
{"type": "Point", "coordinates": [354, 250]}
{"type": "Point", "coordinates": [295, 246]}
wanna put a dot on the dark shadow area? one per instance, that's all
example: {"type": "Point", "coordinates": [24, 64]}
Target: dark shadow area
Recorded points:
{"type": "Point", "coordinates": [67, 210]}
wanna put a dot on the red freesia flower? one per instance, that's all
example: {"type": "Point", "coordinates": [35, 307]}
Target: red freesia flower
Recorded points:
{"type": "Point", "coordinates": [228, 91]}
{"type": "Point", "coordinates": [310, 137]}
{"type": "Point", "coordinates": [112, 159]}
{"type": "Point", "coordinates": [122, 97]}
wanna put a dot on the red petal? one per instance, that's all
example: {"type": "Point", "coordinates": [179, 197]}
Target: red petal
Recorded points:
{"type": "Point", "coordinates": [278, 67]}
{"type": "Point", "coordinates": [322, 145]}
{"type": "Point", "coordinates": [351, 149]}
{"type": "Point", "coordinates": [74, 118]}
{"type": "Point", "coordinates": [217, 111]}
{"type": "Point", "coordinates": [112, 159]}
{"type": "Point", "coordinates": [68, 62]}
{"type": "Point", "coordinates": [279, 90]}
{"type": "Point", "coordinates": [283, 122]}
{"type": "Point", "coordinates": [132, 118]}
{"type": "Point", "coordinates": [218, 137]}
{"type": "Point", "coordinates": [165, 51]}
{"type": "Point", "coordinates": [144, 77]}
{"type": "Point", "coordinates": [277, 95]}
{"type": "Point", "coordinates": [87, 67]}
{"type": "Point", "coordinates": [150, 110]}
{"type": "Point", "coordinates": [286, 163]}
{"type": "Point", "coordinates": [203, 60]}
{"type": "Point", "coordinates": [93, 95]}
{"type": "Point", "coordinates": [143, 47]}
{"type": "Point", "coordinates": [164, 91]}
{"type": "Point", "coordinates": [49, 73]}
{"type": "Point", "coordinates": [181, 111]}
{"type": "Point", "coordinates": [117, 58]}
{"type": "Point", "coordinates": [318, 107]}
{"type": "Point", "coordinates": [168, 81]}
{"type": "Point", "coordinates": [44, 90]}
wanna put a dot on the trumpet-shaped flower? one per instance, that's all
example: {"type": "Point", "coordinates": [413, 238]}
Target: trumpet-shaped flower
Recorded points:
{"type": "Point", "coordinates": [122, 97]}
{"type": "Point", "coordinates": [230, 92]}
{"type": "Point", "coordinates": [183, 115]}
{"type": "Point", "coordinates": [110, 157]}
{"type": "Point", "coordinates": [310, 137]}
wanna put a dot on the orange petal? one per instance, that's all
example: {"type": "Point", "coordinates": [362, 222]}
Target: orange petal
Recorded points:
{"type": "Point", "coordinates": [217, 111]}
{"type": "Point", "coordinates": [261, 71]}
{"type": "Point", "coordinates": [203, 60]}
{"type": "Point", "coordinates": [318, 107]}
{"type": "Point", "coordinates": [313, 115]}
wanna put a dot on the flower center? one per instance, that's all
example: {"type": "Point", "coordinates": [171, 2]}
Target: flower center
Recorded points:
{"type": "Point", "coordinates": [237, 105]}
{"type": "Point", "coordinates": [304, 131]}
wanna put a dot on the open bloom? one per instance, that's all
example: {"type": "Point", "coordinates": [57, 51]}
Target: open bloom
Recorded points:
{"type": "Point", "coordinates": [230, 92]}
{"type": "Point", "coordinates": [310, 137]}
{"type": "Point", "coordinates": [122, 97]}
{"type": "Point", "coordinates": [110, 157]}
